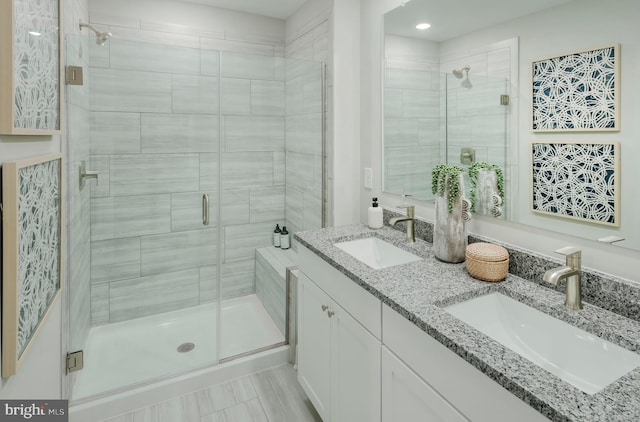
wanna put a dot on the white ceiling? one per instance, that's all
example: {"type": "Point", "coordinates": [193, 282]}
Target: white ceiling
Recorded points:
{"type": "Point", "coordinates": [280, 9]}
{"type": "Point", "coordinates": [452, 18]}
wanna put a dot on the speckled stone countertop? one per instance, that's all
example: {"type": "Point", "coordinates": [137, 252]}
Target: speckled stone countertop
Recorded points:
{"type": "Point", "coordinates": [419, 291]}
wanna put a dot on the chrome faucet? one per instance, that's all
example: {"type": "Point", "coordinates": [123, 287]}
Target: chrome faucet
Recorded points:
{"type": "Point", "coordinates": [571, 271]}
{"type": "Point", "coordinates": [409, 219]}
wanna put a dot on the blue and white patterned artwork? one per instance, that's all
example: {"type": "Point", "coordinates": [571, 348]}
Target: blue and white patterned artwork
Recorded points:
{"type": "Point", "coordinates": [36, 62]}
{"type": "Point", "coordinates": [38, 245]}
{"type": "Point", "coordinates": [577, 91]}
{"type": "Point", "coordinates": [576, 180]}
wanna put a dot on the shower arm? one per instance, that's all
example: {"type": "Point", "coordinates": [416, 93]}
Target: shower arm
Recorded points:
{"type": "Point", "coordinates": [91, 27]}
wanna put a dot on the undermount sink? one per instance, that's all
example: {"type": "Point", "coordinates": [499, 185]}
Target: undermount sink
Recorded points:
{"type": "Point", "coordinates": [377, 253]}
{"type": "Point", "coordinates": [579, 358]}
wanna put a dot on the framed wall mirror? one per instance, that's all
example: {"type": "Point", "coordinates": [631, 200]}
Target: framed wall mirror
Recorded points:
{"type": "Point", "coordinates": [460, 92]}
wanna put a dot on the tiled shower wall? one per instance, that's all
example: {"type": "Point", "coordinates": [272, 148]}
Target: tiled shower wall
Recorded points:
{"type": "Point", "coordinates": [411, 118]}
{"type": "Point", "coordinates": [162, 119]}
{"type": "Point", "coordinates": [304, 53]}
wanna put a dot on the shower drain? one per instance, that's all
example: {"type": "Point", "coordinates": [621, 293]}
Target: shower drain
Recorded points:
{"type": "Point", "coordinates": [186, 347]}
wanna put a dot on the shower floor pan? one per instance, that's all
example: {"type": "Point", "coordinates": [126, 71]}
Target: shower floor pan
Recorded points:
{"type": "Point", "coordinates": [130, 352]}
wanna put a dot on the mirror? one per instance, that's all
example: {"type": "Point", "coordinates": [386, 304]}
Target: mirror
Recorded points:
{"type": "Point", "coordinates": [460, 93]}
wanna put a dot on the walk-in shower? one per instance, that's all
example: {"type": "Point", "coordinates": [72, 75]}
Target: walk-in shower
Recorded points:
{"type": "Point", "coordinates": [156, 289]}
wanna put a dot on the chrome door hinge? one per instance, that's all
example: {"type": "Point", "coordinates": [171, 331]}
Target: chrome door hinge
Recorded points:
{"type": "Point", "coordinates": [504, 100]}
{"type": "Point", "coordinates": [75, 361]}
{"type": "Point", "coordinates": [73, 75]}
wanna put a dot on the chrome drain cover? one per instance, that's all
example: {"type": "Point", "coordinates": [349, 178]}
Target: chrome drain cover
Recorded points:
{"type": "Point", "coordinates": [186, 347]}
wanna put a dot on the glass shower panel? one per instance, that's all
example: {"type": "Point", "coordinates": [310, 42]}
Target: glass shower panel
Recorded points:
{"type": "Point", "coordinates": [477, 122]}
{"type": "Point", "coordinates": [154, 141]}
{"type": "Point", "coordinates": [252, 186]}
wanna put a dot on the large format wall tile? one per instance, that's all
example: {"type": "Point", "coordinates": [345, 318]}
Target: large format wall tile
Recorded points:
{"type": "Point", "coordinates": [128, 90]}
{"type": "Point", "coordinates": [143, 296]}
{"type": "Point", "coordinates": [241, 241]}
{"type": "Point", "coordinates": [247, 66]}
{"type": "Point", "coordinates": [132, 55]}
{"type": "Point", "coordinates": [208, 283]}
{"type": "Point", "coordinates": [126, 216]}
{"type": "Point", "coordinates": [154, 173]}
{"type": "Point", "coordinates": [115, 259]}
{"type": "Point", "coordinates": [304, 133]}
{"type": "Point", "coordinates": [267, 98]}
{"type": "Point", "coordinates": [209, 172]}
{"type": "Point", "coordinates": [246, 169]}
{"type": "Point", "coordinates": [235, 206]}
{"type": "Point", "coordinates": [300, 171]}
{"type": "Point", "coordinates": [115, 133]}
{"type": "Point", "coordinates": [179, 133]}
{"type": "Point", "coordinates": [267, 204]}
{"type": "Point", "coordinates": [178, 251]}
{"type": "Point", "coordinates": [236, 96]}
{"type": "Point", "coordinates": [209, 62]}
{"type": "Point", "coordinates": [253, 133]}
{"type": "Point", "coordinates": [195, 94]}
{"type": "Point", "coordinates": [100, 304]}
{"type": "Point", "coordinates": [186, 211]}
{"type": "Point", "coordinates": [238, 278]}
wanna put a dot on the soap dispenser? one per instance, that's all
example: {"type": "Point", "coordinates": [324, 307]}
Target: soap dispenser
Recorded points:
{"type": "Point", "coordinates": [284, 239]}
{"type": "Point", "coordinates": [375, 215]}
{"type": "Point", "coordinates": [276, 236]}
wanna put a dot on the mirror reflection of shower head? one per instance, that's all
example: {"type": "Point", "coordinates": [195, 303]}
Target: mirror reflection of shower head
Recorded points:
{"type": "Point", "coordinates": [101, 37]}
{"type": "Point", "coordinates": [458, 73]}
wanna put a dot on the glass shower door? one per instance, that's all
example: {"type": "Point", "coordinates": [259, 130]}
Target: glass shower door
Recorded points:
{"type": "Point", "coordinates": [152, 284]}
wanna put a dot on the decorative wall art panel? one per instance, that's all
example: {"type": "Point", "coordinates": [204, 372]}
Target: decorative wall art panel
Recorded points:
{"type": "Point", "coordinates": [31, 225]}
{"type": "Point", "coordinates": [577, 92]}
{"type": "Point", "coordinates": [29, 71]}
{"type": "Point", "coordinates": [576, 180]}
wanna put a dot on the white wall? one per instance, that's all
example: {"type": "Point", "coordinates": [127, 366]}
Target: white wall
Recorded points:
{"type": "Point", "coordinates": [545, 34]}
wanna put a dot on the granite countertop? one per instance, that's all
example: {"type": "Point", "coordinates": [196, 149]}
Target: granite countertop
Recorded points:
{"type": "Point", "coordinates": [419, 291]}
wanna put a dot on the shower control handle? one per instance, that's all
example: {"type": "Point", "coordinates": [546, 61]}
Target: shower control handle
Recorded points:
{"type": "Point", "coordinates": [330, 313]}
{"type": "Point", "coordinates": [324, 308]}
{"type": "Point", "coordinates": [83, 174]}
{"type": "Point", "coordinates": [205, 209]}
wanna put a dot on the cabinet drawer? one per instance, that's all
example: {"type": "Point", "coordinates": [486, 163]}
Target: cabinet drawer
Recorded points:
{"type": "Point", "coordinates": [464, 386]}
{"type": "Point", "coordinates": [362, 305]}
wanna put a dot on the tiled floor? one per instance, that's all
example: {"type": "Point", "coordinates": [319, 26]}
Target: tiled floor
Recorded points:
{"type": "Point", "coordinates": [273, 395]}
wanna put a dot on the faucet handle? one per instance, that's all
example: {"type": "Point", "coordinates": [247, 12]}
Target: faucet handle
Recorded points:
{"type": "Point", "coordinates": [568, 251]}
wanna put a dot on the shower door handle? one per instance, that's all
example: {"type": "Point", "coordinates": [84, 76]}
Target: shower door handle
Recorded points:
{"type": "Point", "coordinates": [205, 209]}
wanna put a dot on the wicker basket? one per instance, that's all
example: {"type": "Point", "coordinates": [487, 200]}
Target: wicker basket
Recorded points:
{"type": "Point", "coordinates": [487, 262]}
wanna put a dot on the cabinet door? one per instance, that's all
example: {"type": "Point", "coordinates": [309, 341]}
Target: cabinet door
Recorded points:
{"type": "Point", "coordinates": [407, 398]}
{"type": "Point", "coordinates": [314, 345]}
{"type": "Point", "coordinates": [355, 370]}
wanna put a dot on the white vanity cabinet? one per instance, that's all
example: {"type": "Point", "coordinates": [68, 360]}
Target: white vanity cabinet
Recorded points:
{"type": "Point", "coordinates": [338, 351]}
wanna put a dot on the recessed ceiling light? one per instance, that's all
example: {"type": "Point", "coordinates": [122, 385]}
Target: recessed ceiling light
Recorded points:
{"type": "Point", "coordinates": [423, 26]}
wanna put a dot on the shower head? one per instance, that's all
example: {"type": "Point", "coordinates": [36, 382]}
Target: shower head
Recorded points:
{"type": "Point", "coordinates": [458, 73]}
{"type": "Point", "coordinates": [101, 37]}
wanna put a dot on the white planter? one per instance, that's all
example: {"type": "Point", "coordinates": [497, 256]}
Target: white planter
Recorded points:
{"type": "Point", "coordinates": [449, 234]}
